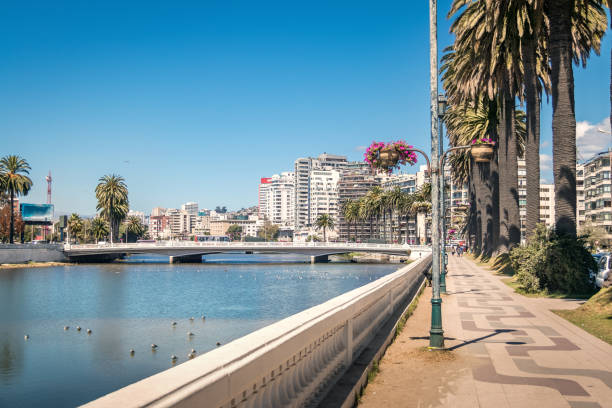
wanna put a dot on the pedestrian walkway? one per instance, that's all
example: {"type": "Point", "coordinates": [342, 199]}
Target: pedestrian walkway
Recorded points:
{"type": "Point", "coordinates": [510, 351]}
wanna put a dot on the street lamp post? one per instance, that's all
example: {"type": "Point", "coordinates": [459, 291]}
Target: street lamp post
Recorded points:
{"type": "Point", "coordinates": [442, 104]}
{"type": "Point", "coordinates": [436, 334]}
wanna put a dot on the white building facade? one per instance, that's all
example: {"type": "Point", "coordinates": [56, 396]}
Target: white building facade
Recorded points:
{"type": "Point", "coordinates": [277, 199]}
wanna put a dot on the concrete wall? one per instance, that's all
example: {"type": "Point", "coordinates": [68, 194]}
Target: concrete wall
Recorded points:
{"type": "Point", "coordinates": [293, 362]}
{"type": "Point", "coordinates": [23, 253]}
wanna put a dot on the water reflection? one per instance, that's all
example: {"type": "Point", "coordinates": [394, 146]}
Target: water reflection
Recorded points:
{"type": "Point", "coordinates": [11, 358]}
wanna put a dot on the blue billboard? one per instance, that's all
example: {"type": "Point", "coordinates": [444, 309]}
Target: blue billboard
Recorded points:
{"type": "Point", "coordinates": [36, 212]}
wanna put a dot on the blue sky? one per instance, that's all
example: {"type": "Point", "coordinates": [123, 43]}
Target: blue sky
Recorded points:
{"type": "Point", "coordinates": [197, 101]}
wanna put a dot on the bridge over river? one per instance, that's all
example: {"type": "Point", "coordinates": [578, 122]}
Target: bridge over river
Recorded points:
{"type": "Point", "coordinates": [187, 251]}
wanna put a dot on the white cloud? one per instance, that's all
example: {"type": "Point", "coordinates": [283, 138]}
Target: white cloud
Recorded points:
{"type": "Point", "coordinates": [592, 138]}
{"type": "Point", "coordinates": [545, 162]}
{"type": "Point", "coordinates": [545, 144]}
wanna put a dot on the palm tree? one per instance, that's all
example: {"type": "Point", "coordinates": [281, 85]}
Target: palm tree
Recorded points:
{"type": "Point", "coordinates": [15, 182]}
{"type": "Point", "coordinates": [112, 195]}
{"type": "Point", "coordinates": [489, 36]}
{"type": "Point", "coordinates": [465, 123]}
{"type": "Point", "coordinates": [563, 50]}
{"type": "Point", "coordinates": [350, 212]}
{"type": "Point", "coordinates": [99, 228]}
{"type": "Point", "coordinates": [394, 202]}
{"type": "Point", "coordinates": [371, 208]}
{"type": "Point", "coordinates": [324, 221]}
{"type": "Point", "coordinates": [134, 226]}
{"type": "Point", "coordinates": [405, 210]}
{"type": "Point", "coordinates": [495, 40]}
{"type": "Point", "coordinates": [346, 211]}
{"type": "Point", "coordinates": [75, 226]}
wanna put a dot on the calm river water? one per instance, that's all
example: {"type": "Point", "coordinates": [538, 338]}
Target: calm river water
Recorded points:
{"type": "Point", "coordinates": [131, 305]}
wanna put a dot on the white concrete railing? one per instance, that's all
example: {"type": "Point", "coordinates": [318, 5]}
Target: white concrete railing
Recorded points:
{"type": "Point", "coordinates": [291, 363]}
{"type": "Point", "coordinates": [239, 245]}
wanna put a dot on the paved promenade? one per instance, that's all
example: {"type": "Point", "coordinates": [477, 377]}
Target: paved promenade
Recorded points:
{"type": "Point", "coordinates": [508, 351]}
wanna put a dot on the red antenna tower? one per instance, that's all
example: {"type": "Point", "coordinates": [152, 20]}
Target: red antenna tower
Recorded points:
{"type": "Point", "coordinates": [49, 180]}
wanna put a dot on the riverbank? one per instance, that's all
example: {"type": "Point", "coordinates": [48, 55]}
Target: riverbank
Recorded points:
{"type": "Point", "coordinates": [34, 265]}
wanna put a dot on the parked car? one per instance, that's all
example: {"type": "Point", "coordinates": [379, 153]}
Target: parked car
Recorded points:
{"type": "Point", "coordinates": [604, 267]}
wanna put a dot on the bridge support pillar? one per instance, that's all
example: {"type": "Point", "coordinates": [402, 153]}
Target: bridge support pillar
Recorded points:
{"type": "Point", "coordinates": [319, 259]}
{"type": "Point", "coordinates": [186, 259]}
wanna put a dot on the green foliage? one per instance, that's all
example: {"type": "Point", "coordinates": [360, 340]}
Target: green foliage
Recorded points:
{"type": "Point", "coordinates": [553, 262]}
{"type": "Point", "coordinates": [324, 222]}
{"type": "Point", "coordinates": [268, 232]}
{"type": "Point", "coordinates": [313, 238]}
{"type": "Point", "coordinates": [99, 229]}
{"type": "Point", "coordinates": [14, 182]}
{"type": "Point", "coordinates": [234, 232]}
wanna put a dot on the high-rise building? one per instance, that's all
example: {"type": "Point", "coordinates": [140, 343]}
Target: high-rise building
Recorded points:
{"type": "Point", "coordinates": [276, 199]}
{"type": "Point", "coordinates": [191, 208]}
{"type": "Point", "coordinates": [262, 196]}
{"type": "Point", "coordinates": [180, 222]}
{"type": "Point", "coordinates": [303, 170]}
{"type": "Point", "coordinates": [157, 225]}
{"type": "Point", "coordinates": [597, 192]}
{"type": "Point", "coordinates": [323, 194]}
{"type": "Point", "coordinates": [547, 204]}
{"type": "Point", "coordinates": [547, 199]}
{"type": "Point", "coordinates": [580, 210]}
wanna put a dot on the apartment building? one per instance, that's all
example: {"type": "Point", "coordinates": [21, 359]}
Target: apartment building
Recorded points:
{"type": "Point", "coordinates": [580, 207]}
{"type": "Point", "coordinates": [353, 185]}
{"type": "Point", "coordinates": [157, 225]}
{"type": "Point", "coordinates": [249, 227]}
{"type": "Point", "coordinates": [277, 198]}
{"type": "Point", "coordinates": [180, 223]}
{"type": "Point", "coordinates": [190, 208]}
{"type": "Point", "coordinates": [547, 199]}
{"type": "Point", "coordinates": [597, 191]}
{"type": "Point", "coordinates": [547, 204]}
{"type": "Point", "coordinates": [304, 169]}
{"type": "Point", "coordinates": [323, 194]}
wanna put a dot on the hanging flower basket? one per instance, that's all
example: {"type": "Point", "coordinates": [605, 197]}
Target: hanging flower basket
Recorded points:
{"type": "Point", "coordinates": [482, 150]}
{"type": "Point", "coordinates": [387, 156]}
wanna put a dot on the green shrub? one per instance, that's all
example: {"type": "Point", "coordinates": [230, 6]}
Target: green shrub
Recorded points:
{"type": "Point", "coordinates": [553, 262]}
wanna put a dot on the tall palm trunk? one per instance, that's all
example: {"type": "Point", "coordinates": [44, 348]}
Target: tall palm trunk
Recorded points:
{"type": "Point", "coordinates": [12, 230]}
{"type": "Point", "coordinates": [111, 221]}
{"type": "Point", "coordinates": [474, 230]}
{"type": "Point", "coordinates": [488, 205]}
{"type": "Point", "coordinates": [509, 222]}
{"type": "Point", "coordinates": [385, 226]}
{"type": "Point", "coordinates": [532, 142]}
{"type": "Point", "coordinates": [564, 119]}
{"type": "Point", "coordinates": [348, 231]}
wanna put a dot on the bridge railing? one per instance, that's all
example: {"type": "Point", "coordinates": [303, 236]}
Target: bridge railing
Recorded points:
{"type": "Point", "coordinates": [239, 245]}
{"type": "Point", "coordinates": [293, 362]}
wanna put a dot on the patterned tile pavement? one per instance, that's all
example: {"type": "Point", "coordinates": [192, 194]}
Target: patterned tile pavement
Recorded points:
{"type": "Point", "coordinates": [521, 354]}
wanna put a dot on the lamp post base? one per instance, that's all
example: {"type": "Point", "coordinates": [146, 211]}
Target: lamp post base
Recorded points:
{"type": "Point", "coordinates": [436, 334]}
